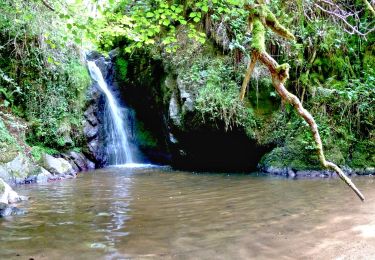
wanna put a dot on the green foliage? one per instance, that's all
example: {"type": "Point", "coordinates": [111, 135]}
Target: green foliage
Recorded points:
{"type": "Point", "coordinates": [41, 75]}
{"type": "Point", "coordinates": [9, 148]}
{"type": "Point", "coordinates": [217, 94]}
{"type": "Point", "coordinates": [38, 151]}
{"type": "Point", "coordinates": [5, 137]}
{"type": "Point", "coordinates": [147, 23]}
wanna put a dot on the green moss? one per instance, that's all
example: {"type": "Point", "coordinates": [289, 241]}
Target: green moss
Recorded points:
{"type": "Point", "coordinates": [145, 137]}
{"type": "Point", "coordinates": [275, 26]}
{"type": "Point", "coordinates": [258, 41]}
{"type": "Point", "coordinates": [283, 71]}
{"type": "Point", "coordinates": [38, 151]}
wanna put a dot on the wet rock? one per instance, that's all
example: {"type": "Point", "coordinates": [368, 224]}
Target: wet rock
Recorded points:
{"type": "Point", "coordinates": [315, 174]}
{"type": "Point", "coordinates": [90, 165]}
{"type": "Point", "coordinates": [3, 172]}
{"type": "Point", "coordinates": [56, 165]}
{"type": "Point", "coordinates": [90, 131]}
{"type": "Point", "coordinates": [93, 118]}
{"type": "Point", "coordinates": [9, 210]}
{"type": "Point", "coordinates": [291, 173]}
{"type": "Point", "coordinates": [90, 115]}
{"type": "Point", "coordinates": [92, 55]}
{"type": "Point", "coordinates": [104, 66]}
{"type": "Point", "coordinates": [276, 171]}
{"type": "Point", "coordinates": [172, 139]}
{"type": "Point", "coordinates": [93, 146]}
{"type": "Point", "coordinates": [369, 171]}
{"type": "Point", "coordinates": [348, 171]}
{"type": "Point", "coordinates": [78, 161]}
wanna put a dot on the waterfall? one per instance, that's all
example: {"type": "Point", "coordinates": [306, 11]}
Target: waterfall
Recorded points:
{"type": "Point", "coordinates": [118, 148]}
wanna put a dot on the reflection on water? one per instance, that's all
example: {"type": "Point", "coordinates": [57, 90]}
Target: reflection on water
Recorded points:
{"type": "Point", "coordinates": [122, 213]}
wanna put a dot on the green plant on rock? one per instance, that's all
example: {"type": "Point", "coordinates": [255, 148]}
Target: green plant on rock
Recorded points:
{"type": "Point", "coordinates": [122, 68]}
{"type": "Point", "coordinates": [212, 81]}
{"type": "Point", "coordinates": [38, 151]}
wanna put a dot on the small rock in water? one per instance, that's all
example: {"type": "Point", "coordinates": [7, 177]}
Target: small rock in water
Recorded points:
{"type": "Point", "coordinates": [97, 245]}
{"type": "Point", "coordinates": [8, 210]}
{"type": "Point", "coordinates": [104, 214]}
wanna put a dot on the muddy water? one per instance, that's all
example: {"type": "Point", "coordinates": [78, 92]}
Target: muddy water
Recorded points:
{"type": "Point", "coordinates": [158, 213]}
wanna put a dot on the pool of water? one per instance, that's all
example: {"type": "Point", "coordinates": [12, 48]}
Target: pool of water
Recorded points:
{"type": "Point", "coordinates": [148, 213]}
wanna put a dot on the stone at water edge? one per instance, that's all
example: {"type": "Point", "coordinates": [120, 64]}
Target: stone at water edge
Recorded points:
{"type": "Point", "coordinates": [43, 176]}
{"type": "Point", "coordinates": [8, 210]}
{"type": "Point", "coordinates": [8, 195]}
{"type": "Point", "coordinates": [16, 170]}
{"type": "Point", "coordinates": [56, 165]}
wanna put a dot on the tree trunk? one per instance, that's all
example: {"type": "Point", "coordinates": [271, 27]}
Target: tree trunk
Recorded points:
{"type": "Point", "coordinates": [253, 61]}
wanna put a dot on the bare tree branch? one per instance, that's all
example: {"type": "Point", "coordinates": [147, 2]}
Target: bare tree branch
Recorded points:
{"type": "Point", "coordinates": [339, 13]}
{"type": "Point", "coordinates": [48, 5]}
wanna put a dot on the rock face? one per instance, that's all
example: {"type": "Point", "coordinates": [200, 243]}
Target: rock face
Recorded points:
{"type": "Point", "coordinates": [78, 161]}
{"type": "Point", "coordinates": [189, 141]}
{"type": "Point", "coordinates": [93, 125]}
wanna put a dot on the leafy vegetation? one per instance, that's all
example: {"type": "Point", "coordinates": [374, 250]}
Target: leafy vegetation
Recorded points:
{"type": "Point", "coordinates": [42, 78]}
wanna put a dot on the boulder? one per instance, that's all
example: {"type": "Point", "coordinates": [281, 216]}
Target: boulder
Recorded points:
{"type": "Point", "coordinates": [16, 170]}
{"type": "Point", "coordinates": [57, 166]}
{"type": "Point", "coordinates": [43, 176]}
{"type": "Point", "coordinates": [8, 195]}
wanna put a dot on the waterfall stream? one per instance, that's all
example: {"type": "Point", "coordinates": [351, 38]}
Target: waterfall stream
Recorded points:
{"type": "Point", "coordinates": [118, 148]}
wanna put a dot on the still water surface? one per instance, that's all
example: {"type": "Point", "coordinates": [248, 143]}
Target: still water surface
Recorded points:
{"type": "Point", "coordinates": [148, 213]}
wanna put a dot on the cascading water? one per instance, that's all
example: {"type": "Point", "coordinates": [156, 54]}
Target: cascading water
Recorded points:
{"type": "Point", "coordinates": [118, 148]}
